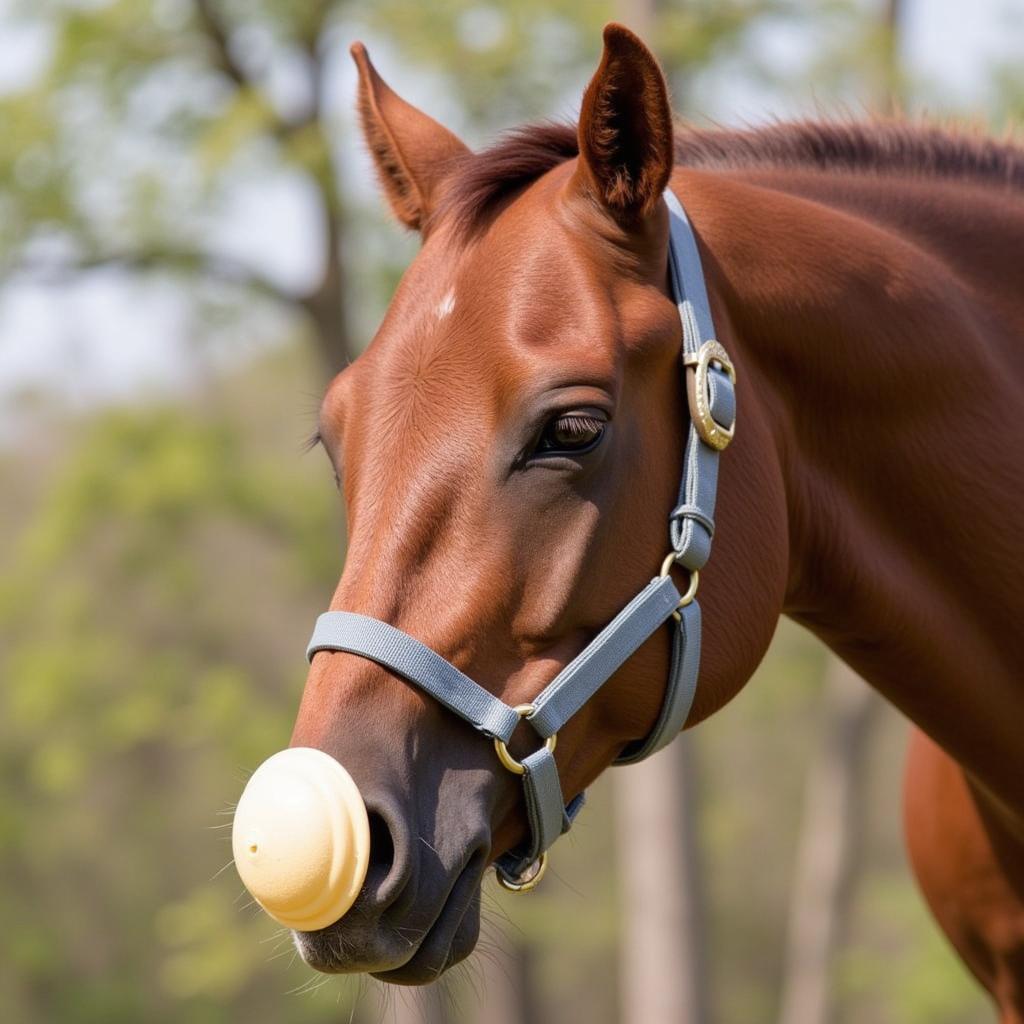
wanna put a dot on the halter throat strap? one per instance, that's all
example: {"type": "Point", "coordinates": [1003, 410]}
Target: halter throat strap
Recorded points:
{"type": "Point", "coordinates": [712, 405]}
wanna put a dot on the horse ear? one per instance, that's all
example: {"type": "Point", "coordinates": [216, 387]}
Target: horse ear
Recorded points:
{"type": "Point", "coordinates": [625, 129]}
{"type": "Point", "coordinates": [412, 152]}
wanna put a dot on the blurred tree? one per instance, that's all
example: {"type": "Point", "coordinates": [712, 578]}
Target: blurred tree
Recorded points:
{"type": "Point", "coordinates": [663, 975]}
{"type": "Point", "coordinates": [149, 116]}
{"type": "Point", "coordinates": [143, 640]}
{"type": "Point", "coordinates": [831, 842]}
{"type": "Point", "coordinates": [862, 65]}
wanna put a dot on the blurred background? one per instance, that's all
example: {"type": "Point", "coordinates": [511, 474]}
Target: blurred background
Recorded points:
{"type": "Point", "coordinates": [190, 245]}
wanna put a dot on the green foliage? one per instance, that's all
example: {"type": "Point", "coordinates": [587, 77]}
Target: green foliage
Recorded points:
{"type": "Point", "coordinates": [924, 981]}
{"type": "Point", "coordinates": [141, 668]}
{"type": "Point", "coordinates": [1009, 85]}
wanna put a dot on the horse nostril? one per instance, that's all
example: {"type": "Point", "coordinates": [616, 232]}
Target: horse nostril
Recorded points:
{"type": "Point", "coordinates": [392, 861]}
{"type": "Point", "coordinates": [382, 852]}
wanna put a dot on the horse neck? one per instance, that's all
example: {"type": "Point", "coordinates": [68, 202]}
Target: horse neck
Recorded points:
{"type": "Point", "coordinates": [881, 333]}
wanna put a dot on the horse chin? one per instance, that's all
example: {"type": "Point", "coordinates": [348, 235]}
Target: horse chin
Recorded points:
{"type": "Point", "coordinates": [441, 948]}
{"type": "Point", "coordinates": [388, 948]}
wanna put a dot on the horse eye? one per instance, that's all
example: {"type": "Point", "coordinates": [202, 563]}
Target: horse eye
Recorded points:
{"type": "Point", "coordinates": [574, 432]}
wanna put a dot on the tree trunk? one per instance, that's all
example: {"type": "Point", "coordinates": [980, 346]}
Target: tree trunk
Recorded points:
{"type": "Point", "coordinates": [827, 859]}
{"type": "Point", "coordinates": [662, 975]}
{"type": "Point", "coordinates": [326, 306]}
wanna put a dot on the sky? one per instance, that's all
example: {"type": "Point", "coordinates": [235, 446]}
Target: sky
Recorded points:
{"type": "Point", "coordinates": [107, 338]}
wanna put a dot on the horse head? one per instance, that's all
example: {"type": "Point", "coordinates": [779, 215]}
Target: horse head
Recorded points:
{"type": "Point", "coordinates": [509, 446]}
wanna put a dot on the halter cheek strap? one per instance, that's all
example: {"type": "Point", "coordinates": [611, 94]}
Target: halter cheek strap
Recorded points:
{"type": "Point", "coordinates": [711, 396]}
{"type": "Point", "coordinates": [712, 405]}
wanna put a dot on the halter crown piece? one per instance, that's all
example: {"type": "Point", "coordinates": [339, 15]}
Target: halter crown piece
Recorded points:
{"type": "Point", "coordinates": [710, 384]}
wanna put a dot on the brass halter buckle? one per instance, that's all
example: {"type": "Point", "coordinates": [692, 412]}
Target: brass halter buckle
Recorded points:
{"type": "Point", "coordinates": [528, 880]}
{"type": "Point", "coordinates": [711, 432]}
{"type": "Point", "coordinates": [531, 877]}
{"type": "Point", "coordinates": [514, 766]}
{"type": "Point", "coordinates": [691, 590]}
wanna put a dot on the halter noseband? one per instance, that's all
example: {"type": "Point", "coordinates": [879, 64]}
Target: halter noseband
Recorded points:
{"type": "Point", "coordinates": [712, 402]}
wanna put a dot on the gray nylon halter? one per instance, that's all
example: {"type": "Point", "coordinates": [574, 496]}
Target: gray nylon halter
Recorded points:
{"type": "Point", "coordinates": [712, 403]}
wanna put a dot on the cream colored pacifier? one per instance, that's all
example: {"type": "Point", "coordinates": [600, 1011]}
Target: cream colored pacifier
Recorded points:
{"type": "Point", "coordinates": [301, 838]}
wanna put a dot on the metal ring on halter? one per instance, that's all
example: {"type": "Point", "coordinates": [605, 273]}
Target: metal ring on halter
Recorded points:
{"type": "Point", "coordinates": [712, 433]}
{"type": "Point", "coordinates": [514, 766]}
{"type": "Point", "coordinates": [691, 590]}
{"type": "Point", "coordinates": [530, 878]}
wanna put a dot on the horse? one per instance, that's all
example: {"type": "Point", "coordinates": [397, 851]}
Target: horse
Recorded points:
{"type": "Point", "coordinates": [510, 442]}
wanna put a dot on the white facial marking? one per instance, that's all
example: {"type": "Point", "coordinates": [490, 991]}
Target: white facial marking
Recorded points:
{"type": "Point", "coordinates": [446, 305]}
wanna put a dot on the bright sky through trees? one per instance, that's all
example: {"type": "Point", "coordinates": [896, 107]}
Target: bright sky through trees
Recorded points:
{"type": "Point", "coordinates": [107, 334]}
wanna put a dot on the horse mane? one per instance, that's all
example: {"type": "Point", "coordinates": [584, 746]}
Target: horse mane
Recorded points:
{"type": "Point", "coordinates": [482, 180]}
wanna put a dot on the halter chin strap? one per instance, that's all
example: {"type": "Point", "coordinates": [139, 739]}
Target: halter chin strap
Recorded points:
{"type": "Point", "coordinates": [711, 398]}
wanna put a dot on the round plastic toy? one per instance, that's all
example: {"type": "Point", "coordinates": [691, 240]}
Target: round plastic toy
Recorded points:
{"type": "Point", "coordinates": [301, 838]}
